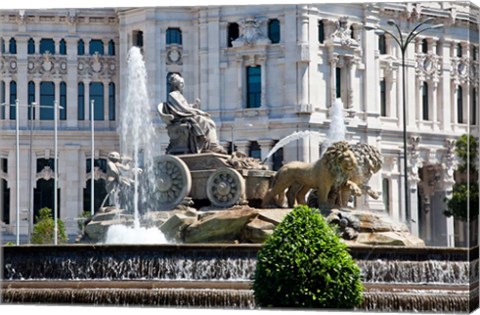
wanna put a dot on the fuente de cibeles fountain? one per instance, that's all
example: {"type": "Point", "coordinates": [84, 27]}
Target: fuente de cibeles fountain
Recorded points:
{"type": "Point", "coordinates": [195, 217]}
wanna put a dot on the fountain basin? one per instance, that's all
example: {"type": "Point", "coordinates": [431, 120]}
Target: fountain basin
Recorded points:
{"type": "Point", "coordinates": [219, 275]}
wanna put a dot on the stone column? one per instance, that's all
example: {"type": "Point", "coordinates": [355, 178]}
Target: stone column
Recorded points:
{"type": "Point", "coordinates": [333, 61]}
{"type": "Point", "coordinates": [36, 109]}
{"type": "Point", "coordinates": [265, 147]}
{"type": "Point", "coordinates": [433, 104]}
{"type": "Point", "coordinates": [7, 98]}
{"type": "Point", "coordinates": [72, 201]}
{"type": "Point", "coordinates": [72, 84]}
{"type": "Point", "coordinates": [86, 83]}
{"type": "Point", "coordinates": [105, 100]}
{"type": "Point", "coordinates": [242, 146]}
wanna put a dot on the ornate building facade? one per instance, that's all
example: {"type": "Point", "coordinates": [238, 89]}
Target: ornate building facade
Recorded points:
{"type": "Point", "coordinates": [262, 72]}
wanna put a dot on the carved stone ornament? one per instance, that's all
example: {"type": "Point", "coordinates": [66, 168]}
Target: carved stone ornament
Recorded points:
{"type": "Point", "coordinates": [460, 69]}
{"type": "Point", "coordinates": [46, 173]}
{"type": "Point", "coordinates": [97, 66]}
{"type": "Point", "coordinates": [47, 64]}
{"type": "Point", "coordinates": [8, 64]}
{"type": "Point", "coordinates": [428, 66]}
{"type": "Point", "coordinates": [251, 32]}
{"type": "Point", "coordinates": [342, 33]}
{"type": "Point", "coordinates": [174, 55]}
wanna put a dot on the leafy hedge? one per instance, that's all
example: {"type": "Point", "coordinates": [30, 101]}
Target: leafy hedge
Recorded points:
{"type": "Point", "coordinates": [303, 264]}
{"type": "Point", "coordinates": [43, 230]}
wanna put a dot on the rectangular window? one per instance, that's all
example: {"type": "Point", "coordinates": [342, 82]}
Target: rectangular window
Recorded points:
{"type": "Point", "coordinates": [63, 101]}
{"type": "Point", "coordinates": [47, 99]}
{"type": "Point", "coordinates": [31, 100]}
{"type": "Point", "coordinates": [81, 47]}
{"type": "Point", "coordinates": [63, 47]}
{"type": "Point", "coordinates": [13, 100]}
{"type": "Point", "coordinates": [138, 39]}
{"type": "Point", "coordinates": [174, 36]}
{"type": "Point", "coordinates": [111, 101]}
{"type": "Point", "coordinates": [460, 105]}
{"type": "Point", "coordinates": [382, 44]}
{"type": "Point", "coordinates": [338, 82]}
{"type": "Point", "coordinates": [47, 44]}
{"type": "Point", "coordinates": [321, 32]}
{"type": "Point", "coordinates": [474, 106]}
{"type": "Point", "coordinates": [386, 194]}
{"type": "Point", "coordinates": [233, 33]}
{"type": "Point", "coordinates": [81, 101]}
{"type": "Point", "coordinates": [31, 46]}
{"type": "Point", "coordinates": [3, 99]}
{"type": "Point", "coordinates": [383, 98]}
{"type": "Point", "coordinates": [96, 94]}
{"type": "Point", "coordinates": [12, 47]}
{"type": "Point", "coordinates": [254, 87]}
{"type": "Point", "coordinates": [425, 101]}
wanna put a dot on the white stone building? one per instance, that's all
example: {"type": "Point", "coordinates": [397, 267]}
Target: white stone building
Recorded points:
{"type": "Point", "coordinates": [262, 72]}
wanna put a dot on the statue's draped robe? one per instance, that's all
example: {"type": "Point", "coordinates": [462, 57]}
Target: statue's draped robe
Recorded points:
{"type": "Point", "coordinates": [203, 135]}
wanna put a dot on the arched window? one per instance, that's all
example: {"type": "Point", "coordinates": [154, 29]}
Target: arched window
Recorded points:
{"type": "Point", "coordinates": [254, 86]}
{"type": "Point", "coordinates": [47, 44]}
{"type": "Point", "coordinates": [459, 50]}
{"type": "Point", "coordinates": [321, 32]}
{"type": "Point", "coordinates": [47, 98]}
{"type": "Point", "coordinates": [81, 101]}
{"type": "Point", "coordinates": [63, 47]}
{"type": "Point", "coordinates": [111, 48]}
{"type": "Point", "coordinates": [274, 31]}
{"type": "Point", "coordinates": [31, 100]}
{"type": "Point", "coordinates": [63, 101]}
{"type": "Point", "coordinates": [425, 107]}
{"type": "Point", "coordinates": [81, 47]}
{"type": "Point", "coordinates": [233, 33]}
{"type": "Point", "coordinates": [338, 82]}
{"type": "Point", "coordinates": [352, 32]}
{"type": "Point", "coordinates": [174, 36]}
{"type": "Point", "coordinates": [96, 94]}
{"type": "Point", "coordinates": [12, 47]}
{"type": "Point", "coordinates": [95, 46]}
{"type": "Point", "coordinates": [111, 101]}
{"type": "Point", "coordinates": [31, 46]}
{"type": "Point", "coordinates": [13, 99]}
{"type": "Point", "coordinates": [460, 105]}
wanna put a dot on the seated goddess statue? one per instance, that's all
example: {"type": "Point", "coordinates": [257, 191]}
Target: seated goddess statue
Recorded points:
{"type": "Point", "coordinates": [190, 129]}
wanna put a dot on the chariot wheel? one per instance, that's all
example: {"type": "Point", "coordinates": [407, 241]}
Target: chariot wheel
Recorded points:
{"type": "Point", "coordinates": [173, 181]}
{"type": "Point", "coordinates": [225, 188]}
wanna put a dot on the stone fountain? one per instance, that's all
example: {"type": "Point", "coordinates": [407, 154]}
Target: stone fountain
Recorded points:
{"type": "Point", "coordinates": [208, 212]}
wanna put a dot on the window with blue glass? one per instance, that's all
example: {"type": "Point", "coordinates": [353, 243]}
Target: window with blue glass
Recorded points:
{"type": "Point", "coordinates": [137, 38]}
{"type": "Point", "coordinates": [13, 99]}
{"type": "Point", "coordinates": [81, 101]}
{"type": "Point", "coordinates": [233, 33]}
{"type": "Point", "coordinates": [3, 99]}
{"type": "Point", "coordinates": [63, 101]}
{"type": "Point", "coordinates": [47, 99]}
{"type": "Point", "coordinates": [2, 45]}
{"type": "Point", "coordinates": [111, 48]}
{"type": "Point", "coordinates": [254, 86]}
{"type": "Point", "coordinates": [31, 46]}
{"type": "Point", "coordinates": [459, 50]}
{"type": "Point", "coordinates": [63, 47]}
{"type": "Point", "coordinates": [47, 44]}
{"type": "Point", "coordinates": [81, 47]}
{"type": "Point", "coordinates": [95, 46]}
{"type": "Point", "coordinates": [425, 108]}
{"type": "Point", "coordinates": [96, 94]}
{"type": "Point", "coordinates": [254, 150]}
{"type": "Point", "coordinates": [321, 32]}
{"type": "Point", "coordinates": [274, 31]}
{"type": "Point", "coordinates": [111, 101]}
{"type": "Point", "coordinates": [31, 100]}
{"type": "Point", "coordinates": [174, 36]}
{"type": "Point", "coordinates": [460, 105]}
{"type": "Point", "coordinates": [12, 46]}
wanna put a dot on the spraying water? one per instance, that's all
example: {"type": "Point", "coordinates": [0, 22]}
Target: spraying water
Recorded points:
{"type": "Point", "coordinates": [137, 136]}
{"type": "Point", "coordinates": [337, 130]}
{"type": "Point", "coordinates": [293, 137]}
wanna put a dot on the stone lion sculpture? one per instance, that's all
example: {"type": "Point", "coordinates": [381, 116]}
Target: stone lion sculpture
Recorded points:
{"type": "Point", "coordinates": [369, 162]}
{"type": "Point", "coordinates": [333, 170]}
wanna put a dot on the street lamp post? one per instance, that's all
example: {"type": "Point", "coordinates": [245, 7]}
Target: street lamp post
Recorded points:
{"type": "Point", "coordinates": [92, 188]}
{"type": "Point", "coordinates": [403, 41]}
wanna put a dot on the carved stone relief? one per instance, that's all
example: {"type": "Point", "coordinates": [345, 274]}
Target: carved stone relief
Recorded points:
{"type": "Point", "coordinates": [47, 64]}
{"type": "Point", "coordinates": [252, 32]}
{"type": "Point", "coordinates": [97, 66]}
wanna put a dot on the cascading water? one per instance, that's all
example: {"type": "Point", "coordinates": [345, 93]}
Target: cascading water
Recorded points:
{"type": "Point", "coordinates": [293, 137]}
{"type": "Point", "coordinates": [137, 134]}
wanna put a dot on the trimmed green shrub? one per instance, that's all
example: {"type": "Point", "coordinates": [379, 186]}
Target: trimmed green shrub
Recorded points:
{"type": "Point", "coordinates": [43, 230]}
{"type": "Point", "coordinates": [304, 264]}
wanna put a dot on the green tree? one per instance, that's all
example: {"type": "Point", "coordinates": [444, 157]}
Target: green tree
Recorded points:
{"type": "Point", "coordinates": [43, 230]}
{"type": "Point", "coordinates": [304, 264]}
{"type": "Point", "coordinates": [464, 202]}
